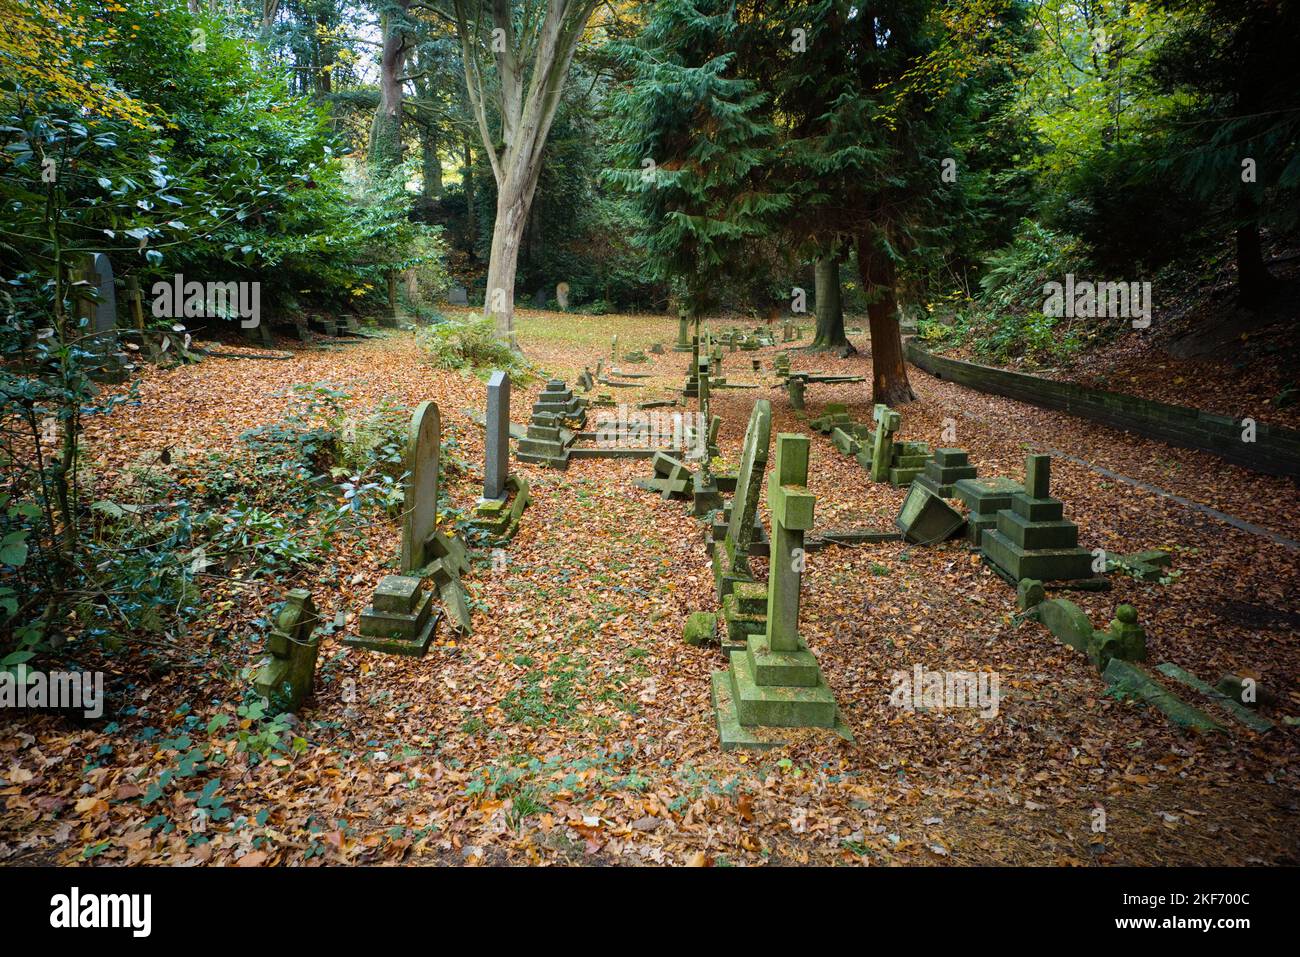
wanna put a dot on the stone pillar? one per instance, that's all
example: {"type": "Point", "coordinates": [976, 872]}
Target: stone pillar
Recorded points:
{"type": "Point", "coordinates": [496, 457]}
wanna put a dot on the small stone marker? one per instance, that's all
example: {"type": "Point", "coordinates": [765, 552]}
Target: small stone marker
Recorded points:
{"type": "Point", "coordinates": [291, 670]}
{"type": "Point", "coordinates": [776, 683]}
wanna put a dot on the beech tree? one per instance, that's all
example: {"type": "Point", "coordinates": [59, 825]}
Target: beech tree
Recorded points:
{"type": "Point", "coordinates": [527, 49]}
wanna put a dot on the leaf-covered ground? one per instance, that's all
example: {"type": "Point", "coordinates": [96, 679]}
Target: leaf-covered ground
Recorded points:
{"type": "Point", "coordinates": [574, 725]}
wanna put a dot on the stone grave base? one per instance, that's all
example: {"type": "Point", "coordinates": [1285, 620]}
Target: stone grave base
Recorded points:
{"type": "Point", "coordinates": [499, 517]}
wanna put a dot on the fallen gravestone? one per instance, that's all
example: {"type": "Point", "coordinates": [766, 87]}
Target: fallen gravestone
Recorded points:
{"type": "Point", "coordinates": [730, 556]}
{"type": "Point", "coordinates": [927, 519]}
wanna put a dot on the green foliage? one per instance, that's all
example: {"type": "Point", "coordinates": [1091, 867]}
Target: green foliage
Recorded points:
{"type": "Point", "coordinates": [1007, 321]}
{"type": "Point", "coordinates": [470, 343]}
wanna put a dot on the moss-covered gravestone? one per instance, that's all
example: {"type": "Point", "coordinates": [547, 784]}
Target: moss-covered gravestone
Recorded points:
{"type": "Point", "coordinates": [1032, 539]}
{"type": "Point", "coordinates": [945, 470]}
{"type": "Point", "coordinates": [289, 674]}
{"type": "Point", "coordinates": [775, 682]}
{"type": "Point", "coordinates": [731, 554]}
{"type": "Point", "coordinates": [925, 518]}
{"type": "Point", "coordinates": [420, 499]}
{"type": "Point", "coordinates": [885, 458]}
{"type": "Point", "coordinates": [683, 331]}
{"type": "Point", "coordinates": [985, 498]}
{"type": "Point", "coordinates": [834, 414]}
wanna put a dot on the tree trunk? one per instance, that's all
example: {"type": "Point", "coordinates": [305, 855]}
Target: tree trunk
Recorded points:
{"type": "Point", "coordinates": [889, 384]}
{"type": "Point", "coordinates": [385, 150]}
{"type": "Point", "coordinates": [471, 213]}
{"type": "Point", "coordinates": [830, 304]}
{"type": "Point", "coordinates": [1253, 278]}
{"type": "Point", "coordinates": [513, 200]}
{"type": "Point", "coordinates": [432, 165]}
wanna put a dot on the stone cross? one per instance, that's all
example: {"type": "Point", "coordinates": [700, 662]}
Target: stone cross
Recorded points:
{"type": "Point", "coordinates": [291, 669]}
{"type": "Point", "coordinates": [421, 493]}
{"type": "Point", "coordinates": [791, 507]}
{"type": "Point", "coordinates": [749, 483]}
{"type": "Point", "coordinates": [882, 450]}
{"type": "Point", "coordinates": [497, 451]}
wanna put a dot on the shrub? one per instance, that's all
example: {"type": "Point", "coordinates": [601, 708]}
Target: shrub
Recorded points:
{"type": "Point", "coordinates": [468, 344]}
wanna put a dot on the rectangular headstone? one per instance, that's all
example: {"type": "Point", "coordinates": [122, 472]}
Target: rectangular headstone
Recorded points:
{"type": "Point", "coordinates": [497, 451]}
{"type": "Point", "coordinates": [1038, 476]}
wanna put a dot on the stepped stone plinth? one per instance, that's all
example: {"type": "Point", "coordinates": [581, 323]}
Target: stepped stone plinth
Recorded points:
{"type": "Point", "coordinates": [398, 620]}
{"type": "Point", "coordinates": [945, 470]}
{"type": "Point", "coordinates": [1032, 539]}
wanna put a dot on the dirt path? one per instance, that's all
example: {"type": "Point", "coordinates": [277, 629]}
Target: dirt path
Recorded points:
{"type": "Point", "coordinates": [574, 725]}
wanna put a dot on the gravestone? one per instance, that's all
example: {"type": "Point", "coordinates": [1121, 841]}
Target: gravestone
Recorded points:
{"type": "Point", "coordinates": [888, 460]}
{"type": "Point", "coordinates": [882, 448]}
{"type": "Point", "coordinates": [290, 672]}
{"type": "Point", "coordinates": [657, 349]}
{"type": "Point", "coordinates": [613, 349]}
{"type": "Point", "coordinates": [945, 470]}
{"type": "Point", "coordinates": [562, 294]}
{"type": "Point", "coordinates": [683, 331]}
{"type": "Point", "coordinates": [103, 314]}
{"type": "Point", "coordinates": [672, 477]}
{"type": "Point", "coordinates": [794, 387]}
{"type": "Point", "coordinates": [985, 498]}
{"type": "Point", "coordinates": [925, 518]}
{"type": "Point", "coordinates": [497, 450]}
{"type": "Point", "coordinates": [1032, 539]}
{"type": "Point", "coordinates": [458, 295]}
{"type": "Point", "coordinates": [731, 555]}
{"type": "Point", "coordinates": [420, 501]}
{"type": "Point", "coordinates": [399, 620]}
{"type": "Point", "coordinates": [548, 439]}
{"type": "Point", "coordinates": [834, 414]}
{"type": "Point", "coordinates": [542, 297]}
{"type": "Point", "coordinates": [775, 683]}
